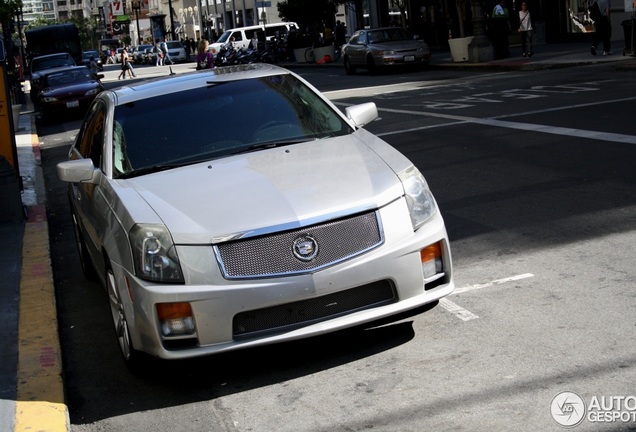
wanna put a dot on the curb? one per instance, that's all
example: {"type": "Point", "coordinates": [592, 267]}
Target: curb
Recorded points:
{"type": "Point", "coordinates": [40, 400]}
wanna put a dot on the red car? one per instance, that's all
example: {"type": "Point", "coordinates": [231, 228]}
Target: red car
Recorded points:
{"type": "Point", "coordinates": [69, 89]}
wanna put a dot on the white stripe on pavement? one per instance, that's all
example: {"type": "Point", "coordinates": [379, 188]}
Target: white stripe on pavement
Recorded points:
{"type": "Point", "coordinates": [465, 314]}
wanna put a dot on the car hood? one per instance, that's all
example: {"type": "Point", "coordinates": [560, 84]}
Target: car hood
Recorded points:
{"type": "Point", "coordinates": [69, 89]}
{"type": "Point", "coordinates": [270, 190]}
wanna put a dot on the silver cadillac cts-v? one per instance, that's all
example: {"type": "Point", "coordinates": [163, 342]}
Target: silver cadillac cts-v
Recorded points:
{"type": "Point", "coordinates": [237, 207]}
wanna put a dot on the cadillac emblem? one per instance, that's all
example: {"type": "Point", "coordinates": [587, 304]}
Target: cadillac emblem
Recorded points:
{"type": "Point", "coordinates": [305, 248]}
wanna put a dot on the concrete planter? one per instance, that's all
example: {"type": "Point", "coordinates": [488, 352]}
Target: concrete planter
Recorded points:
{"type": "Point", "coordinates": [459, 48]}
{"type": "Point", "coordinates": [302, 56]}
{"type": "Point", "coordinates": [321, 52]}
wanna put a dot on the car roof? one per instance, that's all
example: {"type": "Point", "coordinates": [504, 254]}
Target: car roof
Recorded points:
{"type": "Point", "coordinates": [61, 54]}
{"type": "Point", "coordinates": [191, 80]}
{"type": "Point", "coordinates": [46, 72]}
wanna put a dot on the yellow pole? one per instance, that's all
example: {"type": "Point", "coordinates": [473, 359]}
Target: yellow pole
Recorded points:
{"type": "Point", "coordinates": [8, 147]}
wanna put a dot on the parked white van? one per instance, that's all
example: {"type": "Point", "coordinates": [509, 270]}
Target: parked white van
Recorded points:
{"type": "Point", "coordinates": [241, 36]}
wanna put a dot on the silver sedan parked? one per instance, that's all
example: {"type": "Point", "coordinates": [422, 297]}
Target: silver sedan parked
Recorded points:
{"type": "Point", "coordinates": [282, 220]}
{"type": "Point", "coordinates": [383, 47]}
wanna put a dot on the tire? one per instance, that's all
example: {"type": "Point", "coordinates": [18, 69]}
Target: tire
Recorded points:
{"type": "Point", "coordinates": [371, 67]}
{"type": "Point", "coordinates": [350, 70]}
{"type": "Point", "coordinates": [132, 357]}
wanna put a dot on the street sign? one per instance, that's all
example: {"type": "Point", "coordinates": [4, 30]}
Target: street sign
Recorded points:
{"type": "Point", "coordinates": [263, 4]}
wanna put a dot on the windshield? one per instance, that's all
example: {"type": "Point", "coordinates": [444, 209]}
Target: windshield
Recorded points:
{"type": "Point", "coordinates": [388, 35]}
{"type": "Point", "coordinates": [66, 78]}
{"type": "Point", "coordinates": [224, 37]}
{"type": "Point", "coordinates": [217, 121]}
{"type": "Point", "coordinates": [51, 62]}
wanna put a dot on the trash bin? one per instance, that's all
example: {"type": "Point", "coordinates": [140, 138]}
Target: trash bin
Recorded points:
{"type": "Point", "coordinates": [10, 199]}
{"type": "Point", "coordinates": [628, 29]}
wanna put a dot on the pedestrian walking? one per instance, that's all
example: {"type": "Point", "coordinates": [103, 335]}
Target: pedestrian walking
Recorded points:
{"type": "Point", "coordinates": [158, 54]}
{"type": "Point", "coordinates": [501, 29]}
{"type": "Point", "coordinates": [600, 14]}
{"type": "Point", "coordinates": [525, 30]}
{"type": "Point", "coordinates": [126, 66]}
{"type": "Point", "coordinates": [94, 69]}
{"type": "Point", "coordinates": [205, 59]}
{"type": "Point", "coordinates": [341, 34]}
{"type": "Point", "coordinates": [163, 46]}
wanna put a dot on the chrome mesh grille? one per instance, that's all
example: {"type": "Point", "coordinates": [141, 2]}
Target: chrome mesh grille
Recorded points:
{"type": "Point", "coordinates": [313, 310]}
{"type": "Point", "coordinates": [272, 255]}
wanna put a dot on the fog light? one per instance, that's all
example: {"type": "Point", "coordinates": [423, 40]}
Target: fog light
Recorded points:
{"type": "Point", "coordinates": [432, 260]}
{"type": "Point", "coordinates": [175, 319]}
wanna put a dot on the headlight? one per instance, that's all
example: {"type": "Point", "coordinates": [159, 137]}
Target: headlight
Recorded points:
{"type": "Point", "coordinates": [154, 254]}
{"type": "Point", "coordinates": [90, 92]}
{"type": "Point", "coordinates": [49, 99]}
{"type": "Point", "coordinates": [418, 196]}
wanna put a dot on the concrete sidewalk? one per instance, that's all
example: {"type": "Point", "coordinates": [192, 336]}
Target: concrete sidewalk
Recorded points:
{"type": "Point", "coordinates": [31, 380]}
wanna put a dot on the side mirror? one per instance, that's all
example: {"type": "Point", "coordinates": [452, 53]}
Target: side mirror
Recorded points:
{"type": "Point", "coordinates": [362, 114]}
{"type": "Point", "coordinates": [78, 171]}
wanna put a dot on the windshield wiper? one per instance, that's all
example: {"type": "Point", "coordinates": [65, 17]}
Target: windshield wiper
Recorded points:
{"type": "Point", "coordinates": [153, 169]}
{"type": "Point", "coordinates": [271, 144]}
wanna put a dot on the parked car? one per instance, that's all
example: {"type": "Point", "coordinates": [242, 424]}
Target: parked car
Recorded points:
{"type": "Point", "coordinates": [383, 47]}
{"type": "Point", "coordinates": [150, 56]}
{"type": "Point", "coordinates": [137, 55]}
{"type": "Point", "coordinates": [70, 88]}
{"type": "Point", "coordinates": [177, 51]}
{"type": "Point", "coordinates": [242, 36]}
{"type": "Point", "coordinates": [86, 59]}
{"type": "Point", "coordinates": [41, 65]}
{"type": "Point", "coordinates": [291, 224]}
{"type": "Point", "coordinates": [118, 52]}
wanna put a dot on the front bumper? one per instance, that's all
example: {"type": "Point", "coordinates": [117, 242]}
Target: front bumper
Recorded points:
{"type": "Point", "coordinates": [216, 302]}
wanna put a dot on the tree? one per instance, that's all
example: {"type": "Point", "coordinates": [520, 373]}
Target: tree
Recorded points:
{"type": "Point", "coordinates": [8, 9]}
{"type": "Point", "coordinates": [401, 5]}
{"type": "Point", "coordinates": [309, 14]}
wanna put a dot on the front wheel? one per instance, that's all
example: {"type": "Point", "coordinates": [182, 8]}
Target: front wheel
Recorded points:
{"type": "Point", "coordinates": [372, 68]}
{"type": "Point", "coordinates": [131, 356]}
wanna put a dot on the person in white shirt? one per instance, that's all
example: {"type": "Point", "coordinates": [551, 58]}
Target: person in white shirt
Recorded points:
{"type": "Point", "coordinates": [525, 30]}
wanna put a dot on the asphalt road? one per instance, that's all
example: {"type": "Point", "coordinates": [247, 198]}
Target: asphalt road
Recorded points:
{"type": "Point", "coordinates": [534, 175]}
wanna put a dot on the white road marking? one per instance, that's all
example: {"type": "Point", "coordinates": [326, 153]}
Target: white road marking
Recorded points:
{"type": "Point", "coordinates": [457, 310]}
{"type": "Point", "coordinates": [465, 314]}
{"type": "Point", "coordinates": [495, 282]}
{"type": "Point", "coordinates": [493, 121]}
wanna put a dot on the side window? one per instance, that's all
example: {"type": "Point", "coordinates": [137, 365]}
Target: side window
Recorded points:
{"type": "Point", "coordinates": [238, 36]}
{"type": "Point", "coordinates": [362, 38]}
{"type": "Point", "coordinates": [90, 140]}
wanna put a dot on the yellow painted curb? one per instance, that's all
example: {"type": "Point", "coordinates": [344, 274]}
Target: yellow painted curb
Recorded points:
{"type": "Point", "coordinates": [41, 417]}
{"type": "Point", "coordinates": [40, 389]}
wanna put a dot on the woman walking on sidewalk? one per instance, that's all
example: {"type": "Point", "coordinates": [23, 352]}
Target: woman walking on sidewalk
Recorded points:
{"type": "Point", "coordinates": [126, 66]}
{"type": "Point", "coordinates": [525, 30]}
